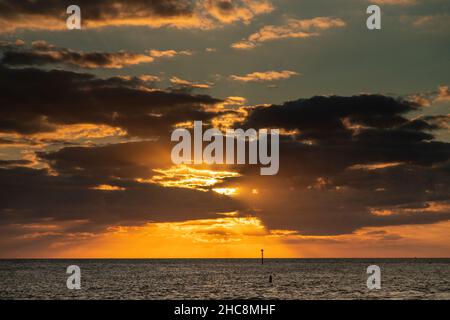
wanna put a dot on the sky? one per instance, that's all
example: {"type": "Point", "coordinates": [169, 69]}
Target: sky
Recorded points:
{"type": "Point", "coordinates": [86, 118]}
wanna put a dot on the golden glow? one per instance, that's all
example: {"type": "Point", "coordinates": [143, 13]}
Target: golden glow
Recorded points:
{"type": "Point", "coordinates": [230, 236]}
{"type": "Point", "coordinates": [49, 228]}
{"type": "Point", "coordinates": [24, 146]}
{"type": "Point", "coordinates": [204, 15]}
{"type": "Point", "coordinates": [226, 191]}
{"type": "Point", "coordinates": [107, 187]}
{"type": "Point", "coordinates": [69, 132]}
{"type": "Point", "coordinates": [185, 125]}
{"type": "Point", "coordinates": [374, 166]}
{"type": "Point", "coordinates": [228, 120]}
{"type": "Point", "coordinates": [229, 214]}
{"type": "Point", "coordinates": [183, 176]}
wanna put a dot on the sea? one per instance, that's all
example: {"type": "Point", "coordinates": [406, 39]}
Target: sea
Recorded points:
{"type": "Point", "coordinates": [304, 279]}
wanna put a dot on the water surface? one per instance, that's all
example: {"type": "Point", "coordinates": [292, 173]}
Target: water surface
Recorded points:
{"type": "Point", "coordinates": [225, 279]}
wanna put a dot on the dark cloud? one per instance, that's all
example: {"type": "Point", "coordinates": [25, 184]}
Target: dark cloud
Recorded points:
{"type": "Point", "coordinates": [51, 14]}
{"type": "Point", "coordinates": [96, 9]}
{"type": "Point", "coordinates": [123, 161]}
{"type": "Point", "coordinates": [32, 196]}
{"type": "Point", "coordinates": [74, 199]}
{"type": "Point", "coordinates": [334, 133]}
{"type": "Point", "coordinates": [61, 97]}
{"type": "Point", "coordinates": [8, 163]}
{"type": "Point", "coordinates": [328, 114]}
{"type": "Point", "coordinates": [70, 191]}
{"type": "Point", "coordinates": [224, 5]}
{"type": "Point", "coordinates": [200, 14]}
{"type": "Point", "coordinates": [348, 156]}
{"type": "Point", "coordinates": [41, 53]}
{"type": "Point", "coordinates": [51, 56]}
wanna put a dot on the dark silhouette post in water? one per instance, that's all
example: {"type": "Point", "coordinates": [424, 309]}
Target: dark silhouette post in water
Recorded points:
{"type": "Point", "coordinates": [262, 256]}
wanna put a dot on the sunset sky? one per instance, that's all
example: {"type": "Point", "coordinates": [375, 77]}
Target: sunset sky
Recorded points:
{"type": "Point", "coordinates": [86, 118]}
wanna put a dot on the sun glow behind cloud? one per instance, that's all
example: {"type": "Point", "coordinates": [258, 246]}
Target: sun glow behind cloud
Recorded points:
{"type": "Point", "coordinates": [230, 236]}
{"type": "Point", "coordinates": [226, 191]}
{"type": "Point", "coordinates": [183, 176]}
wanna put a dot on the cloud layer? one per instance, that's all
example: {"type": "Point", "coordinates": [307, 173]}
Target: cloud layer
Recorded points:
{"type": "Point", "coordinates": [343, 159]}
{"type": "Point", "coordinates": [42, 53]}
{"type": "Point", "coordinates": [204, 14]}
{"type": "Point", "coordinates": [61, 98]}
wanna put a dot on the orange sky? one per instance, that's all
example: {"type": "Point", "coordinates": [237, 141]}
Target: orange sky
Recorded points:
{"type": "Point", "coordinates": [233, 237]}
{"type": "Point", "coordinates": [85, 154]}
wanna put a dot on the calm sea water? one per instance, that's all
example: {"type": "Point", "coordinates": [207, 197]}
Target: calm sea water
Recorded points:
{"type": "Point", "coordinates": [226, 279]}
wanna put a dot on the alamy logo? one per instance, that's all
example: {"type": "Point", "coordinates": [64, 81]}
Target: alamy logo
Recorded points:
{"type": "Point", "coordinates": [74, 20]}
{"type": "Point", "coordinates": [74, 280]}
{"type": "Point", "coordinates": [374, 280]}
{"type": "Point", "coordinates": [374, 20]}
{"type": "Point", "coordinates": [213, 153]}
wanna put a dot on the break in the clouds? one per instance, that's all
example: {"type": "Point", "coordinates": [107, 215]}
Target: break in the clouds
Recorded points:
{"type": "Point", "coordinates": [293, 29]}
{"type": "Point", "coordinates": [265, 76]}
{"type": "Point", "coordinates": [41, 53]}
{"type": "Point", "coordinates": [203, 14]}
